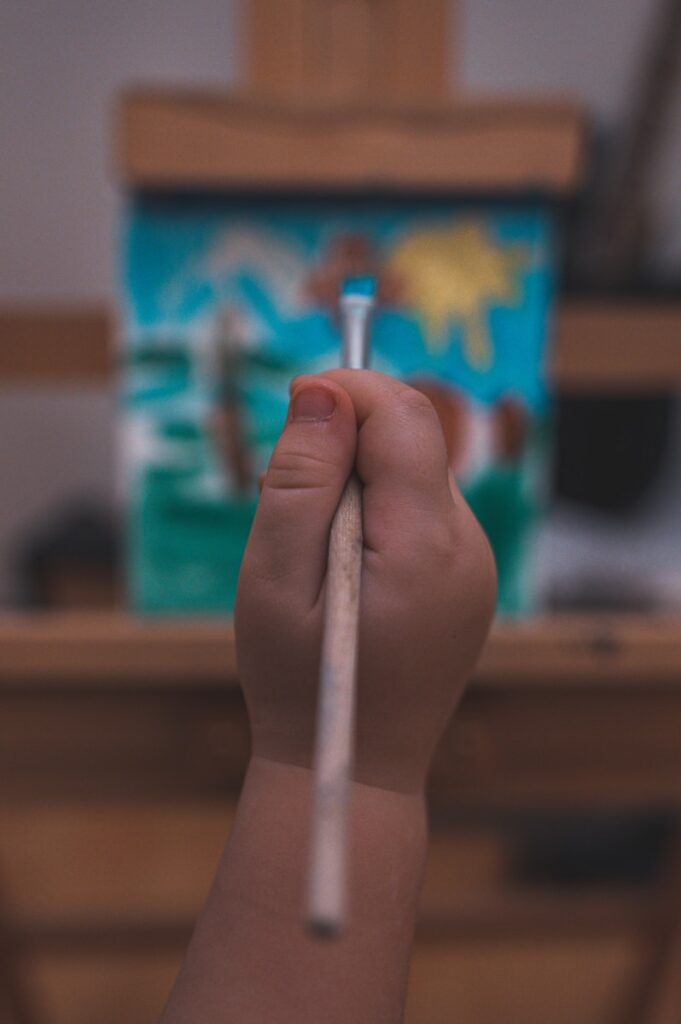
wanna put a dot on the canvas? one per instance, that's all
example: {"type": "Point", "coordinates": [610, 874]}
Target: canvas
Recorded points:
{"type": "Point", "coordinates": [226, 299]}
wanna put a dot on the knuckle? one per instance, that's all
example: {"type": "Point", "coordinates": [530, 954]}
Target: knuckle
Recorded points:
{"type": "Point", "coordinates": [414, 403]}
{"type": "Point", "coordinates": [474, 565]}
{"type": "Point", "coordinates": [295, 470]}
{"type": "Point", "coordinates": [442, 543]}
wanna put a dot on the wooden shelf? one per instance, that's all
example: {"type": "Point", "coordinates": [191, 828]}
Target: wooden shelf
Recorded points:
{"type": "Point", "coordinates": [600, 346]}
{"type": "Point", "coordinates": [617, 346]}
{"type": "Point", "coordinates": [561, 712]}
{"type": "Point", "coordinates": [106, 649]}
{"type": "Point", "coordinates": [198, 140]}
{"type": "Point", "coordinates": [101, 649]}
{"type": "Point", "coordinates": [55, 344]}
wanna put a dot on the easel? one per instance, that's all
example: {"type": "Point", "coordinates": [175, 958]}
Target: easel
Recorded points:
{"type": "Point", "coordinates": [118, 663]}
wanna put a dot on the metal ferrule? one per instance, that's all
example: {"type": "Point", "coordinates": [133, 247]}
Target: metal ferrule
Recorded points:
{"type": "Point", "coordinates": [355, 312]}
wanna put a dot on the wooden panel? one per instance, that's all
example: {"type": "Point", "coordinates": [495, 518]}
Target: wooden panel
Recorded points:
{"type": "Point", "coordinates": [607, 651]}
{"type": "Point", "coordinates": [70, 650]}
{"type": "Point", "coordinates": [98, 650]}
{"type": "Point", "coordinates": [339, 50]}
{"type": "Point", "coordinates": [563, 981]}
{"type": "Point", "coordinates": [561, 746]}
{"type": "Point", "coordinates": [612, 346]}
{"type": "Point", "coordinates": [55, 345]}
{"type": "Point", "coordinates": [276, 37]}
{"type": "Point", "coordinates": [469, 893]}
{"type": "Point", "coordinates": [125, 988]}
{"type": "Point", "coordinates": [420, 50]}
{"type": "Point", "coordinates": [341, 60]}
{"type": "Point", "coordinates": [533, 981]}
{"type": "Point", "coordinates": [190, 140]}
{"type": "Point", "coordinates": [103, 744]}
{"type": "Point", "coordinates": [79, 861]}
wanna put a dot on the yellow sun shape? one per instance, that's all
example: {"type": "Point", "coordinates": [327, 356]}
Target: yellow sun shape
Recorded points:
{"type": "Point", "coordinates": [454, 273]}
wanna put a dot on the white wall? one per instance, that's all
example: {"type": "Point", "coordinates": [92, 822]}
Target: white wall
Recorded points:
{"type": "Point", "coordinates": [588, 49]}
{"type": "Point", "coordinates": [585, 48]}
{"type": "Point", "coordinates": [62, 62]}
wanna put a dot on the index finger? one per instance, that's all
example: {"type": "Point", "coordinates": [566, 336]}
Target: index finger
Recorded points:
{"type": "Point", "coordinates": [401, 457]}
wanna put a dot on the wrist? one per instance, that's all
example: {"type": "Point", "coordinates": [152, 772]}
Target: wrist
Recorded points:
{"type": "Point", "coordinates": [379, 763]}
{"type": "Point", "coordinates": [387, 836]}
{"type": "Point", "coordinates": [401, 778]}
{"type": "Point", "coordinates": [292, 786]}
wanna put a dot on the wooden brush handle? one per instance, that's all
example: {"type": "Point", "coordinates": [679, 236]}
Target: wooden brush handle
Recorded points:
{"type": "Point", "coordinates": [327, 880]}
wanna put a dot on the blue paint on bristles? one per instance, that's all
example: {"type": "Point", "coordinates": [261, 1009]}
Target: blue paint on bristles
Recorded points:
{"type": "Point", "coordinates": [364, 286]}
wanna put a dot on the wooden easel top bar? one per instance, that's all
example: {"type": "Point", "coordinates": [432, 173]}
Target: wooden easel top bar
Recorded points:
{"type": "Point", "coordinates": [194, 140]}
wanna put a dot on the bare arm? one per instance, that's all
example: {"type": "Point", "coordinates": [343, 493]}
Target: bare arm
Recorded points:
{"type": "Point", "coordinates": [250, 959]}
{"type": "Point", "coordinates": [427, 597]}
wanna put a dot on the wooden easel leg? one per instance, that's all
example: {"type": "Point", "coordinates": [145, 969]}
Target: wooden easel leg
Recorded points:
{"type": "Point", "coordinates": [659, 999]}
{"type": "Point", "coordinates": [14, 997]}
{"type": "Point", "coordinates": [665, 996]}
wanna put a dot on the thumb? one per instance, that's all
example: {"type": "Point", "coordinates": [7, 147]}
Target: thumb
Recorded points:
{"type": "Point", "coordinates": [302, 488]}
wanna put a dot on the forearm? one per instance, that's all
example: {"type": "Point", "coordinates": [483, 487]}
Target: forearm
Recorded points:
{"type": "Point", "coordinates": [250, 960]}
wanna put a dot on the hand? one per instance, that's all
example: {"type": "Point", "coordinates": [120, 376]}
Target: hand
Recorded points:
{"type": "Point", "coordinates": [428, 579]}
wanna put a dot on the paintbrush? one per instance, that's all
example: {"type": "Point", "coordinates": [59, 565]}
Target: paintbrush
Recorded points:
{"type": "Point", "coordinates": [326, 907]}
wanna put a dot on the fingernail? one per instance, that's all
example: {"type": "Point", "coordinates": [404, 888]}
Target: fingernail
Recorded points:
{"type": "Point", "coordinates": [313, 404]}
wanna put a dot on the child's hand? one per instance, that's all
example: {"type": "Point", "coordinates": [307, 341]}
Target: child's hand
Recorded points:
{"type": "Point", "coordinates": [428, 580]}
{"type": "Point", "coordinates": [426, 602]}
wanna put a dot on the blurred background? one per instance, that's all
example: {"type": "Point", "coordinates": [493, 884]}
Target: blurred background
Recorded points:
{"type": "Point", "coordinates": [554, 884]}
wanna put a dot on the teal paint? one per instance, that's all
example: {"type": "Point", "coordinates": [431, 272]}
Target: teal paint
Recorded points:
{"type": "Point", "coordinates": [465, 293]}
